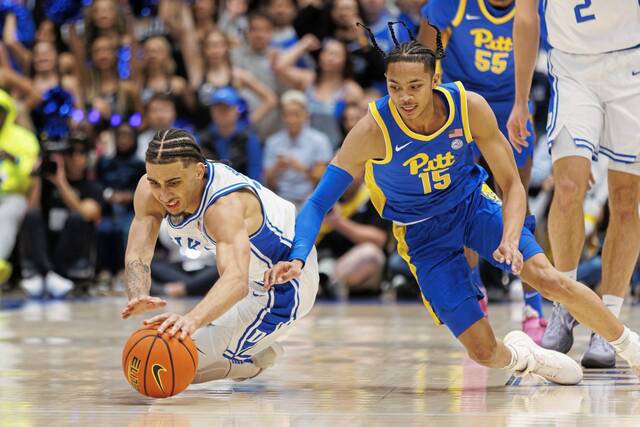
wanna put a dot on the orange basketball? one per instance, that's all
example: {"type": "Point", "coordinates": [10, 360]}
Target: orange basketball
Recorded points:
{"type": "Point", "coordinates": [157, 365]}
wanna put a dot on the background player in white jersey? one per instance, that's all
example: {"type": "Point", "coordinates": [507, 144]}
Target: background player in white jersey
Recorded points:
{"type": "Point", "coordinates": [594, 69]}
{"type": "Point", "coordinates": [210, 207]}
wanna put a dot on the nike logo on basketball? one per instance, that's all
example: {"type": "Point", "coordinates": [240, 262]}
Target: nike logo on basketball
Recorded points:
{"type": "Point", "coordinates": [635, 73]}
{"type": "Point", "coordinates": [155, 370]}
{"type": "Point", "coordinates": [472, 17]}
{"type": "Point", "coordinates": [400, 147]}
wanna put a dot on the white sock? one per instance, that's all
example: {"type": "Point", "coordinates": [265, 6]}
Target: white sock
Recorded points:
{"type": "Point", "coordinates": [519, 358]}
{"type": "Point", "coordinates": [613, 303]}
{"type": "Point", "coordinates": [571, 274]}
{"type": "Point", "coordinates": [622, 340]}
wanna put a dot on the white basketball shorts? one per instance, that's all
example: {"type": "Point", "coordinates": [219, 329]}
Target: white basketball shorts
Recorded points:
{"type": "Point", "coordinates": [596, 98]}
{"type": "Point", "coordinates": [258, 320]}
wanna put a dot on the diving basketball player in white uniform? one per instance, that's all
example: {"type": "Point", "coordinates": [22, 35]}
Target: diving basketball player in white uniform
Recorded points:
{"type": "Point", "coordinates": [210, 207]}
{"type": "Point", "coordinates": [594, 70]}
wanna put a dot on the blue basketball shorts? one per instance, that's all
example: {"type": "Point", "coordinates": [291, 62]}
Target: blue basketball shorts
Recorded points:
{"type": "Point", "coordinates": [434, 250]}
{"type": "Point", "coordinates": [502, 111]}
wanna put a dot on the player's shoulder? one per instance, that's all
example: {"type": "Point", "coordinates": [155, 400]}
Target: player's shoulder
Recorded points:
{"type": "Point", "coordinates": [144, 202]}
{"type": "Point", "coordinates": [365, 141]}
{"type": "Point", "coordinates": [367, 126]}
{"type": "Point", "coordinates": [475, 102]}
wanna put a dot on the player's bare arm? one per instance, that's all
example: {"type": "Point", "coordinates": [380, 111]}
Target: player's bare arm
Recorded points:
{"type": "Point", "coordinates": [496, 150]}
{"type": "Point", "coordinates": [143, 234]}
{"type": "Point", "coordinates": [526, 35]}
{"type": "Point", "coordinates": [227, 222]}
{"type": "Point", "coordinates": [363, 142]}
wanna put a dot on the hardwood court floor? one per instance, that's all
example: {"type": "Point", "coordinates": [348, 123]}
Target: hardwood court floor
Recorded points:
{"type": "Point", "coordinates": [345, 364]}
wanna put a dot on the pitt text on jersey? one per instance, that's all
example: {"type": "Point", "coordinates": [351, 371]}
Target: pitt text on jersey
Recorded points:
{"type": "Point", "coordinates": [432, 172]}
{"type": "Point", "coordinates": [491, 52]}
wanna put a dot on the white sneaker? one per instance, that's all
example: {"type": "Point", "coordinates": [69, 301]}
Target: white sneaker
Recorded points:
{"type": "Point", "coordinates": [550, 365]}
{"type": "Point", "coordinates": [630, 352]}
{"type": "Point", "coordinates": [33, 286]}
{"type": "Point", "coordinates": [57, 285]}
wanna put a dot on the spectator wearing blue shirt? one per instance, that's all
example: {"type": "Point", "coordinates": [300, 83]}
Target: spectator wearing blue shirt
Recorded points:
{"type": "Point", "coordinates": [377, 15]}
{"type": "Point", "coordinates": [119, 176]}
{"type": "Point", "coordinates": [229, 138]}
{"type": "Point", "coordinates": [295, 157]}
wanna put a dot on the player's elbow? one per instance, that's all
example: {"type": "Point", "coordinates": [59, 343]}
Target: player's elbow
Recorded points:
{"type": "Point", "coordinates": [242, 289]}
{"type": "Point", "coordinates": [241, 284]}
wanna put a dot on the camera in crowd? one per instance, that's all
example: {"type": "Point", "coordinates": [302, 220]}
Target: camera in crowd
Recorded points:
{"type": "Point", "coordinates": [77, 141]}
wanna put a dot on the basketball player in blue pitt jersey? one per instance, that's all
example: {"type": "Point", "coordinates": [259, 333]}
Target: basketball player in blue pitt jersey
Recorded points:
{"type": "Point", "coordinates": [211, 207]}
{"type": "Point", "coordinates": [479, 53]}
{"type": "Point", "coordinates": [427, 183]}
{"type": "Point", "coordinates": [594, 71]}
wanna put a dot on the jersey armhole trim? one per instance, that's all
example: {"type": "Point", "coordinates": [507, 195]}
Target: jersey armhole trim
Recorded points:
{"type": "Point", "coordinates": [230, 189]}
{"type": "Point", "coordinates": [462, 6]}
{"type": "Point", "coordinates": [464, 113]}
{"type": "Point", "coordinates": [373, 109]}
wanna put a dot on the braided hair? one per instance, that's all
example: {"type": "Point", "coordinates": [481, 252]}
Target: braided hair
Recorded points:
{"type": "Point", "coordinates": [411, 51]}
{"type": "Point", "coordinates": [173, 145]}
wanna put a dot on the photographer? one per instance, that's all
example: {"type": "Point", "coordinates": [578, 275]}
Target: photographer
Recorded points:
{"type": "Point", "coordinates": [18, 154]}
{"type": "Point", "coordinates": [58, 238]}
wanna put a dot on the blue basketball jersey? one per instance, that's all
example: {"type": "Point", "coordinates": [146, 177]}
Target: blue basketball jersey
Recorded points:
{"type": "Point", "coordinates": [479, 50]}
{"type": "Point", "coordinates": [423, 175]}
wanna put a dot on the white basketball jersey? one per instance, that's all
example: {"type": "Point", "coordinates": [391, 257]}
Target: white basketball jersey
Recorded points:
{"type": "Point", "coordinates": [592, 26]}
{"type": "Point", "coordinates": [270, 244]}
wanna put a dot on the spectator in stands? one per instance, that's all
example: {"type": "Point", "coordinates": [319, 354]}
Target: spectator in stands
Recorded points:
{"type": "Point", "coordinates": [351, 245]}
{"type": "Point", "coordinates": [295, 157]}
{"type": "Point", "coordinates": [160, 113]}
{"type": "Point", "coordinates": [328, 89]}
{"type": "Point", "coordinates": [258, 57]}
{"type": "Point", "coordinates": [18, 33]}
{"type": "Point", "coordinates": [104, 18]}
{"type": "Point", "coordinates": [118, 175]}
{"type": "Point", "coordinates": [158, 75]}
{"type": "Point", "coordinates": [376, 15]}
{"type": "Point", "coordinates": [282, 14]}
{"type": "Point", "coordinates": [230, 139]}
{"type": "Point", "coordinates": [410, 15]}
{"type": "Point", "coordinates": [104, 89]}
{"type": "Point", "coordinates": [215, 70]}
{"type": "Point", "coordinates": [58, 234]}
{"type": "Point", "coordinates": [46, 75]}
{"type": "Point", "coordinates": [233, 20]}
{"type": "Point", "coordinates": [18, 155]}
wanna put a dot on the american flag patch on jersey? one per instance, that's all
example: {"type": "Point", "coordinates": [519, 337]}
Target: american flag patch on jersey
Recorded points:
{"type": "Point", "coordinates": [455, 133]}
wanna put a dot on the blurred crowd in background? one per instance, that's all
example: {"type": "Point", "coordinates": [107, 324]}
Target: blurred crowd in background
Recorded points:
{"type": "Point", "coordinates": [269, 86]}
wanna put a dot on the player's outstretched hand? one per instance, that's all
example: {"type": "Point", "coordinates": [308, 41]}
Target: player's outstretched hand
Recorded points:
{"type": "Point", "coordinates": [141, 305]}
{"type": "Point", "coordinates": [174, 324]}
{"type": "Point", "coordinates": [509, 253]}
{"type": "Point", "coordinates": [517, 126]}
{"type": "Point", "coordinates": [282, 272]}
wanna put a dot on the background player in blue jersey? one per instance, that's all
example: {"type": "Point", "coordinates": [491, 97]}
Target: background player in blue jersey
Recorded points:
{"type": "Point", "coordinates": [479, 53]}
{"type": "Point", "coordinates": [422, 177]}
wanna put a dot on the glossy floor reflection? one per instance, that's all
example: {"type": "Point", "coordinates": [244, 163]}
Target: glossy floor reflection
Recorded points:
{"type": "Point", "coordinates": [350, 365]}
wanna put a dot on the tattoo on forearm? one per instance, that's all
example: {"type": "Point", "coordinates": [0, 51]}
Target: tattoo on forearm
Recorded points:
{"type": "Point", "coordinates": [137, 278]}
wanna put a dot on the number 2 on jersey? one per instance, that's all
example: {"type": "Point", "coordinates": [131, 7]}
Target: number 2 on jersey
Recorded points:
{"type": "Point", "coordinates": [580, 8]}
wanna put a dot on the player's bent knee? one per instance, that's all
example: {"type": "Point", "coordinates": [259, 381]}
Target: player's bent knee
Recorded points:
{"type": "Point", "coordinates": [552, 285]}
{"type": "Point", "coordinates": [483, 353]}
